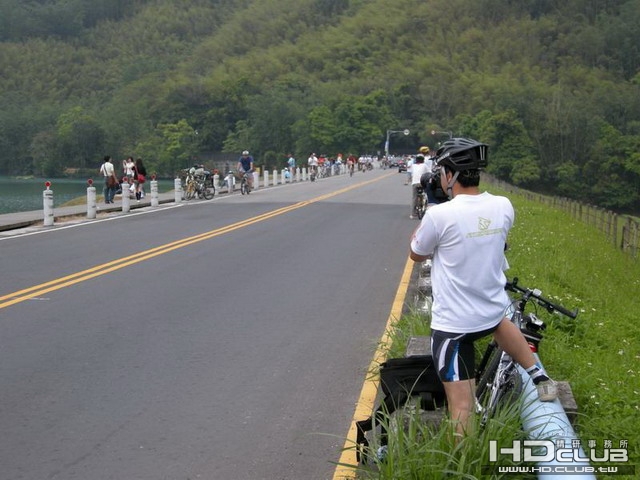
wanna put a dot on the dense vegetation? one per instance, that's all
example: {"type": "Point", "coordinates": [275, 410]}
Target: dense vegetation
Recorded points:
{"type": "Point", "coordinates": [553, 86]}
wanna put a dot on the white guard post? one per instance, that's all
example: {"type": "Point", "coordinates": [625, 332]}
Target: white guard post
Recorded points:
{"type": "Point", "coordinates": [91, 200]}
{"type": "Point", "coordinates": [256, 180]}
{"type": "Point", "coordinates": [126, 201]}
{"type": "Point", "coordinates": [154, 193]}
{"type": "Point", "coordinates": [177, 189]}
{"type": "Point", "coordinates": [231, 182]}
{"type": "Point", "coordinates": [47, 203]}
{"type": "Point", "coordinates": [266, 178]}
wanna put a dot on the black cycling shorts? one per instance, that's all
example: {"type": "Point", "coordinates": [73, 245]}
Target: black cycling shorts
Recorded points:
{"type": "Point", "coordinates": [454, 353]}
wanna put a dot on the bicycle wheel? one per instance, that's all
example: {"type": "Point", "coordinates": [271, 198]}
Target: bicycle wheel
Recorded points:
{"type": "Point", "coordinates": [510, 388]}
{"type": "Point", "coordinates": [243, 187]}
{"type": "Point", "coordinates": [488, 375]}
{"type": "Point", "coordinates": [190, 191]}
{"type": "Point", "coordinates": [501, 391]}
{"type": "Point", "coordinates": [420, 206]}
{"type": "Point", "coordinates": [208, 190]}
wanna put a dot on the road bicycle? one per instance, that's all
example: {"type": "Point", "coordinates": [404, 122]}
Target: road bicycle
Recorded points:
{"type": "Point", "coordinates": [322, 171]}
{"type": "Point", "coordinates": [205, 187]}
{"type": "Point", "coordinates": [421, 205]}
{"type": "Point", "coordinates": [245, 186]}
{"type": "Point", "coordinates": [198, 182]}
{"type": "Point", "coordinates": [497, 377]}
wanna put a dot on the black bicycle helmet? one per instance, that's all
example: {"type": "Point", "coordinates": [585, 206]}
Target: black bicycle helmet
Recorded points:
{"type": "Point", "coordinates": [459, 154]}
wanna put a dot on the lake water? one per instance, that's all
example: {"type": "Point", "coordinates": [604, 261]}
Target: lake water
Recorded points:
{"type": "Point", "coordinates": [24, 195]}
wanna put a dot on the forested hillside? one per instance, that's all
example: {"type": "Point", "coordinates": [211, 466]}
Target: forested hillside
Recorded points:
{"type": "Point", "coordinates": [553, 86]}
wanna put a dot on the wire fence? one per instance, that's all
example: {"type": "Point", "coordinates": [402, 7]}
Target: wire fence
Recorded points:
{"type": "Point", "coordinates": [620, 230]}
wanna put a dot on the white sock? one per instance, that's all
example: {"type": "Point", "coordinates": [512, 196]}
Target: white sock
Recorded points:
{"type": "Point", "coordinates": [537, 373]}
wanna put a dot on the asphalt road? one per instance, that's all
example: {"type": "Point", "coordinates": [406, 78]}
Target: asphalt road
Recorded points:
{"type": "Point", "coordinates": [226, 339]}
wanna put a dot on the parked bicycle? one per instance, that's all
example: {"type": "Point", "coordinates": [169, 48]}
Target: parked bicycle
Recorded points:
{"type": "Point", "coordinates": [498, 379]}
{"type": "Point", "coordinates": [198, 182]}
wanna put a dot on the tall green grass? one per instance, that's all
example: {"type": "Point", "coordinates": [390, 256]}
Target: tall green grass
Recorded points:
{"type": "Point", "coordinates": [598, 353]}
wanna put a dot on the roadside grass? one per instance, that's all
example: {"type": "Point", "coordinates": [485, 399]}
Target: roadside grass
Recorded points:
{"type": "Point", "coordinates": [598, 353]}
{"type": "Point", "coordinates": [74, 202]}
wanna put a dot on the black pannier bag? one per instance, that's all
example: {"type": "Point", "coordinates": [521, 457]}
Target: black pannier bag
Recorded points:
{"type": "Point", "coordinates": [400, 379]}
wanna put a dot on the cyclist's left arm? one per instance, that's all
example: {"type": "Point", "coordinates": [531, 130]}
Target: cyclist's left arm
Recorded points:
{"type": "Point", "coordinates": [423, 241]}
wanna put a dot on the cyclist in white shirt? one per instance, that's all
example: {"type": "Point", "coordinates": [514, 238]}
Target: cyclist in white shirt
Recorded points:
{"type": "Point", "coordinates": [466, 237]}
{"type": "Point", "coordinates": [312, 163]}
{"type": "Point", "coordinates": [418, 169]}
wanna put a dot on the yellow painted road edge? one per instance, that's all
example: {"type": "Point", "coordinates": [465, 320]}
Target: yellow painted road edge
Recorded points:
{"type": "Point", "coordinates": [347, 464]}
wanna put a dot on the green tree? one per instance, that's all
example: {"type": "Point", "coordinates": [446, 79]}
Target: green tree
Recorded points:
{"type": "Point", "coordinates": [170, 148]}
{"type": "Point", "coordinates": [80, 138]}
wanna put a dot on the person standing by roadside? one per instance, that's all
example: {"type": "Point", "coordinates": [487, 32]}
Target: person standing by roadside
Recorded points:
{"type": "Point", "coordinates": [409, 170]}
{"type": "Point", "coordinates": [338, 164]}
{"type": "Point", "coordinates": [128, 170]}
{"type": "Point", "coordinates": [110, 179]}
{"type": "Point", "coordinates": [291, 163]}
{"type": "Point", "coordinates": [140, 178]}
{"type": "Point", "coordinates": [466, 237]}
{"type": "Point", "coordinates": [128, 167]}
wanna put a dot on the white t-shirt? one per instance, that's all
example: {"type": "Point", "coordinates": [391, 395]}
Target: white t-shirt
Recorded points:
{"type": "Point", "coordinates": [107, 169]}
{"type": "Point", "coordinates": [129, 168]}
{"type": "Point", "coordinates": [466, 237]}
{"type": "Point", "coordinates": [428, 161]}
{"type": "Point", "coordinates": [417, 171]}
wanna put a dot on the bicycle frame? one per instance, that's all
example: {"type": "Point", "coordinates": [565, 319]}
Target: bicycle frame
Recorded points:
{"type": "Point", "coordinates": [245, 186]}
{"type": "Point", "coordinates": [420, 206]}
{"type": "Point", "coordinates": [497, 375]}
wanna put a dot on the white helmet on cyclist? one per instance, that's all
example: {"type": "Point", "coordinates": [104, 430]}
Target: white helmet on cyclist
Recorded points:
{"type": "Point", "coordinates": [245, 152]}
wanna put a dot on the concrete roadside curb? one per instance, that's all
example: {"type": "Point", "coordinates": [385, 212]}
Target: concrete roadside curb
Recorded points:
{"type": "Point", "coordinates": [18, 220]}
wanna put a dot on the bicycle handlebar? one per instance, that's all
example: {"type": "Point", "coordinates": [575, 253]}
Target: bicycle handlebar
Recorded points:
{"type": "Point", "coordinates": [537, 295]}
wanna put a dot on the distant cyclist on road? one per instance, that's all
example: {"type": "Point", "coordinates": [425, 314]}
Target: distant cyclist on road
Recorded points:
{"type": "Point", "coordinates": [419, 168]}
{"type": "Point", "coordinates": [312, 163]}
{"type": "Point", "coordinates": [245, 165]}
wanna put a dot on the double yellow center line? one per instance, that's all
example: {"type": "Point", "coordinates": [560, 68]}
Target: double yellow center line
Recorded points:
{"type": "Point", "coordinates": [105, 268]}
